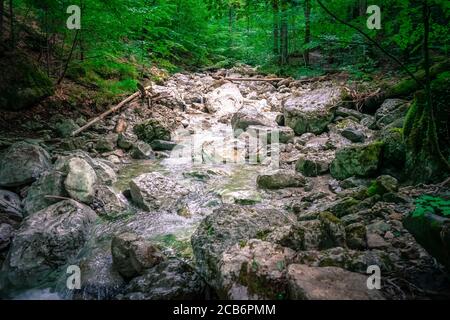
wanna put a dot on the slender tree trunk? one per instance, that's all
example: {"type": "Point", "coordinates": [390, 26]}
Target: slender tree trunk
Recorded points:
{"type": "Point", "coordinates": [284, 34]}
{"type": "Point", "coordinates": [276, 28]}
{"type": "Point", "coordinates": [11, 22]}
{"type": "Point", "coordinates": [307, 29]}
{"type": "Point", "coordinates": [426, 52]}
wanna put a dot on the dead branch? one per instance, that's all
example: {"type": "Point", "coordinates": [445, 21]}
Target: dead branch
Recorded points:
{"type": "Point", "coordinates": [110, 111]}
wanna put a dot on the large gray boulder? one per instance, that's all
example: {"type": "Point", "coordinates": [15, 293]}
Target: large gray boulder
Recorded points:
{"type": "Point", "coordinates": [22, 163]}
{"type": "Point", "coordinates": [390, 111]}
{"type": "Point", "coordinates": [357, 160]}
{"type": "Point", "coordinates": [80, 181]}
{"type": "Point", "coordinates": [227, 226]}
{"type": "Point", "coordinates": [154, 191]}
{"type": "Point", "coordinates": [46, 241]}
{"type": "Point", "coordinates": [280, 179]}
{"type": "Point", "coordinates": [224, 100]}
{"type": "Point", "coordinates": [313, 111]}
{"type": "Point", "coordinates": [249, 116]}
{"type": "Point", "coordinates": [328, 283]}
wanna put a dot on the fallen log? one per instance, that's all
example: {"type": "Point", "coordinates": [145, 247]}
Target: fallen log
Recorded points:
{"type": "Point", "coordinates": [110, 111]}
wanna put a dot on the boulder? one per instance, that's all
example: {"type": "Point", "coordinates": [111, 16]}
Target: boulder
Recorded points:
{"type": "Point", "coordinates": [333, 231]}
{"type": "Point", "coordinates": [107, 143]}
{"type": "Point", "coordinates": [356, 236]}
{"type": "Point", "coordinates": [133, 255]}
{"type": "Point", "coordinates": [151, 130]}
{"type": "Point", "coordinates": [390, 111]}
{"type": "Point", "coordinates": [109, 203]}
{"type": "Point", "coordinates": [80, 181]}
{"type": "Point", "coordinates": [314, 164]}
{"type": "Point", "coordinates": [225, 100]}
{"type": "Point", "coordinates": [255, 271]}
{"type": "Point", "coordinates": [22, 163]}
{"type": "Point", "coordinates": [249, 116]}
{"type": "Point", "coordinates": [6, 234]}
{"type": "Point", "coordinates": [172, 279]}
{"type": "Point", "coordinates": [357, 160]}
{"type": "Point", "coordinates": [311, 112]}
{"type": "Point", "coordinates": [273, 134]}
{"type": "Point", "coordinates": [161, 145]}
{"type": "Point", "coordinates": [49, 184]}
{"type": "Point", "coordinates": [154, 191]}
{"type": "Point", "coordinates": [383, 184]}
{"type": "Point", "coordinates": [353, 135]}
{"type": "Point", "coordinates": [227, 226]}
{"type": "Point", "coordinates": [281, 179]}
{"type": "Point", "coordinates": [48, 239]}
{"type": "Point", "coordinates": [328, 283]}
{"type": "Point", "coordinates": [394, 150]}
{"type": "Point", "coordinates": [346, 113]}
{"type": "Point", "coordinates": [10, 208]}
{"type": "Point", "coordinates": [65, 127]}
{"type": "Point", "coordinates": [142, 151]}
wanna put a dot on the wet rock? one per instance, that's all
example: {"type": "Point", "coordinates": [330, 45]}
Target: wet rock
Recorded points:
{"type": "Point", "coordinates": [314, 164]}
{"type": "Point", "coordinates": [375, 241]}
{"type": "Point", "coordinates": [383, 184]}
{"type": "Point", "coordinates": [345, 112]}
{"type": "Point", "coordinates": [133, 255]}
{"type": "Point", "coordinates": [280, 120]}
{"type": "Point", "coordinates": [80, 181]}
{"type": "Point", "coordinates": [242, 197]}
{"type": "Point", "coordinates": [290, 236]}
{"type": "Point", "coordinates": [249, 116]}
{"type": "Point", "coordinates": [169, 280]}
{"type": "Point", "coordinates": [125, 142]}
{"type": "Point", "coordinates": [394, 150]}
{"type": "Point", "coordinates": [273, 134]}
{"type": "Point", "coordinates": [353, 135]}
{"type": "Point", "coordinates": [356, 160]}
{"type": "Point", "coordinates": [225, 100]}
{"type": "Point", "coordinates": [391, 110]}
{"type": "Point", "coordinates": [10, 208]}
{"type": "Point", "coordinates": [328, 283]}
{"type": "Point", "coordinates": [49, 184]}
{"type": "Point", "coordinates": [142, 151]}
{"type": "Point", "coordinates": [161, 145]}
{"type": "Point", "coordinates": [6, 234]}
{"type": "Point", "coordinates": [153, 191]}
{"type": "Point", "coordinates": [255, 271]}
{"type": "Point", "coordinates": [99, 280]}
{"type": "Point", "coordinates": [47, 240]}
{"type": "Point", "coordinates": [227, 226]}
{"type": "Point", "coordinates": [353, 182]}
{"type": "Point", "coordinates": [311, 112]}
{"type": "Point", "coordinates": [151, 130]}
{"type": "Point", "coordinates": [281, 179]}
{"type": "Point", "coordinates": [343, 207]}
{"type": "Point", "coordinates": [356, 236]}
{"type": "Point", "coordinates": [333, 231]}
{"type": "Point", "coordinates": [22, 163]}
{"type": "Point", "coordinates": [108, 202]}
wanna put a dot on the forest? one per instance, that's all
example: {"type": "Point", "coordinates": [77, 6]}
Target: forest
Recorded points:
{"type": "Point", "coordinates": [224, 149]}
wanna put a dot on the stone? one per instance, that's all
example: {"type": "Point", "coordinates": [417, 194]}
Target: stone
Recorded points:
{"type": "Point", "coordinates": [49, 184]}
{"type": "Point", "coordinates": [357, 160]}
{"type": "Point", "coordinates": [142, 151]}
{"type": "Point", "coordinates": [281, 179]}
{"type": "Point", "coordinates": [124, 142]}
{"type": "Point", "coordinates": [22, 164]}
{"type": "Point", "coordinates": [133, 255]}
{"type": "Point", "coordinates": [108, 202]}
{"type": "Point", "coordinates": [356, 236]}
{"type": "Point", "coordinates": [394, 150]}
{"type": "Point", "coordinates": [151, 130]}
{"type": "Point", "coordinates": [353, 135]}
{"type": "Point", "coordinates": [10, 208]}
{"type": "Point", "coordinates": [6, 234]}
{"type": "Point", "coordinates": [328, 283]}
{"type": "Point", "coordinates": [285, 134]}
{"type": "Point", "coordinates": [280, 120]}
{"type": "Point", "coordinates": [80, 181]}
{"type": "Point", "coordinates": [255, 271]}
{"type": "Point", "coordinates": [333, 231]}
{"type": "Point", "coordinates": [314, 164]}
{"type": "Point", "coordinates": [154, 191]}
{"type": "Point", "coordinates": [343, 207]}
{"type": "Point", "coordinates": [375, 241]}
{"type": "Point", "coordinates": [161, 145]}
{"type": "Point", "coordinates": [227, 226]}
{"type": "Point", "coordinates": [107, 143]}
{"type": "Point", "coordinates": [345, 112]}
{"type": "Point", "coordinates": [383, 184]}
{"type": "Point", "coordinates": [65, 127]}
{"type": "Point", "coordinates": [171, 279]}
{"type": "Point", "coordinates": [225, 100]}
{"type": "Point", "coordinates": [249, 116]}
{"type": "Point", "coordinates": [47, 240]}
{"type": "Point", "coordinates": [391, 110]}
{"type": "Point", "coordinates": [311, 112]}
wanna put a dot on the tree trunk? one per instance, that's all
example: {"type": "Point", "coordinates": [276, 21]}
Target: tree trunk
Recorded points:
{"type": "Point", "coordinates": [307, 29]}
{"type": "Point", "coordinates": [284, 34]}
{"type": "Point", "coordinates": [276, 29]}
{"type": "Point", "coordinates": [11, 22]}
{"type": "Point", "coordinates": [2, 10]}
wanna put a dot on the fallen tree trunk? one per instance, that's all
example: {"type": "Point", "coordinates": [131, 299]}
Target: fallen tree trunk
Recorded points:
{"type": "Point", "coordinates": [110, 111]}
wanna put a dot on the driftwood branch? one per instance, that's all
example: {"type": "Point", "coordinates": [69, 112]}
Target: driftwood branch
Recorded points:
{"type": "Point", "coordinates": [110, 111]}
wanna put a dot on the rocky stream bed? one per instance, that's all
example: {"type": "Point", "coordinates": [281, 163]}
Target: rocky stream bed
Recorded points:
{"type": "Point", "coordinates": [173, 200]}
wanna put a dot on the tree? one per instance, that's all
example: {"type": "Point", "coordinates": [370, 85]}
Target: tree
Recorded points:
{"type": "Point", "coordinates": [307, 29]}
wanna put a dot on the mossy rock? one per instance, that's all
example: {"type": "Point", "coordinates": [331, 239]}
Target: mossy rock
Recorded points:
{"type": "Point", "coordinates": [152, 130]}
{"type": "Point", "coordinates": [22, 83]}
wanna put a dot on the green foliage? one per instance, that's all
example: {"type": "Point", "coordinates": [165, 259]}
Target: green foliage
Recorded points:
{"type": "Point", "coordinates": [429, 204]}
